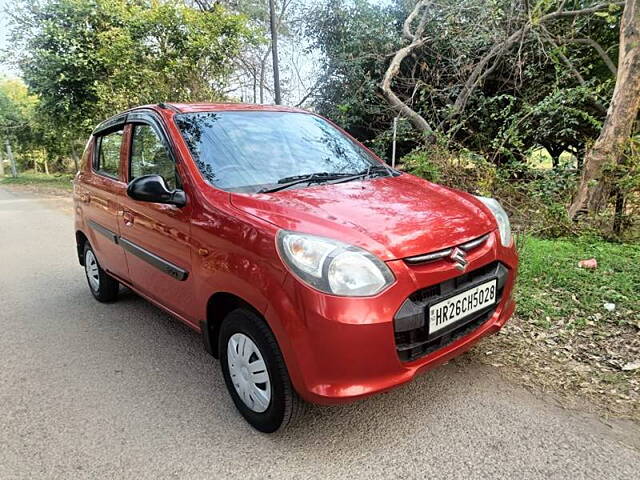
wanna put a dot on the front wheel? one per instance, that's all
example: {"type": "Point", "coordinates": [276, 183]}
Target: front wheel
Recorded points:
{"type": "Point", "coordinates": [255, 373]}
{"type": "Point", "coordinates": [102, 286]}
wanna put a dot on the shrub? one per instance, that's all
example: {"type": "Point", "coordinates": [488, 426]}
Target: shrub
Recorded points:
{"type": "Point", "coordinates": [535, 199]}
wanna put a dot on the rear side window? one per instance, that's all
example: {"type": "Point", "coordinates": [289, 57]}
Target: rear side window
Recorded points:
{"type": "Point", "coordinates": [150, 156]}
{"type": "Point", "coordinates": [107, 161]}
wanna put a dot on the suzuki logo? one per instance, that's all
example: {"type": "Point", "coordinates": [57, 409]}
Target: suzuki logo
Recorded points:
{"type": "Point", "coordinates": [458, 256]}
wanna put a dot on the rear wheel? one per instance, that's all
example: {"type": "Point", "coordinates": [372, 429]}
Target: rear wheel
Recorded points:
{"type": "Point", "coordinates": [255, 373]}
{"type": "Point", "coordinates": [103, 287]}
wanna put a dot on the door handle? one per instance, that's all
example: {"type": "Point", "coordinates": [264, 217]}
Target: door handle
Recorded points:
{"type": "Point", "coordinates": [127, 217]}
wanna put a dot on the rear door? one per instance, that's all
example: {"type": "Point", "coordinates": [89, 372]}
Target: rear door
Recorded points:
{"type": "Point", "coordinates": [156, 237]}
{"type": "Point", "coordinates": [102, 188]}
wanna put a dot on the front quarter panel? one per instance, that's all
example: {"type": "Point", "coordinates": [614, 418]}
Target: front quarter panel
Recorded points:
{"type": "Point", "coordinates": [233, 255]}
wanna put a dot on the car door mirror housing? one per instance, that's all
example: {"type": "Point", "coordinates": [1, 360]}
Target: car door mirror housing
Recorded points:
{"type": "Point", "coordinates": [153, 188]}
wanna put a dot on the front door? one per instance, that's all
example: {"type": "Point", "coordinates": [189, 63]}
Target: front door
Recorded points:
{"type": "Point", "coordinates": [155, 237]}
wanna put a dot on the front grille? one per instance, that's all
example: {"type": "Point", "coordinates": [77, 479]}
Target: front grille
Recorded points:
{"type": "Point", "coordinates": [440, 254]}
{"type": "Point", "coordinates": [410, 322]}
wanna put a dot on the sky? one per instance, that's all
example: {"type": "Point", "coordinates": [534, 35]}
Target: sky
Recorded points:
{"type": "Point", "coordinates": [4, 24]}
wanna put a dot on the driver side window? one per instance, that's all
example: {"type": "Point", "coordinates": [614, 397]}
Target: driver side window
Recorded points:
{"type": "Point", "coordinates": [150, 156]}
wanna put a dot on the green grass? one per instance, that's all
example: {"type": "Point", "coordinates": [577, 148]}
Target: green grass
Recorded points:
{"type": "Point", "coordinates": [552, 288]}
{"type": "Point", "coordinates": [540, 158]}
{"type": "Point", "coordinates": [61, 181]}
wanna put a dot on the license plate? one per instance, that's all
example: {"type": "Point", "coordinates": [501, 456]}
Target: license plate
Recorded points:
{"type": "Point", "coordinates": [449, 311]}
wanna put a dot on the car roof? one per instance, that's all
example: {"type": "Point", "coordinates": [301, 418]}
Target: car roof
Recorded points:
{"type": "Point", "coordinates": [215, 107]}
{"type": "Point", "coordinates": [121, 117]}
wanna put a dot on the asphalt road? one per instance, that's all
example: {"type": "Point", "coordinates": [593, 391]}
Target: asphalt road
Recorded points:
{"type": "Point", "coordinates": [124, 391]}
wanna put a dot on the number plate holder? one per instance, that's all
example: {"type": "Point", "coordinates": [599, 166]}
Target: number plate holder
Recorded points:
{"type": "Point", "coordinates": [457, 309]}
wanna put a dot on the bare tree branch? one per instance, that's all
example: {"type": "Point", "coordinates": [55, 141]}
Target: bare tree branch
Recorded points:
{"type": "Point", "coordinates": [477, 75]}
{"type": "Point", "coordinates": [560, 13]}
{"type": "Point", "coordinates": [402, 108]}
{"type": "Point", "coordinates": [310, 92]}
{"type": "Point", "coordinates": [576, 74]}
{"type": "Point", "coordinates": [499, 48]}
{"type": "Point", "coordinates": [574, 71]}
{"type": "Point", "coordinates": [598, 48]}
{"type": "Point", "coordinates": [406, 26]}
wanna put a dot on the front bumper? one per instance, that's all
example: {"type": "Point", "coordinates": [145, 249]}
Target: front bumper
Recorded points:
{"type": "Point", "coordinates": [340, 349]}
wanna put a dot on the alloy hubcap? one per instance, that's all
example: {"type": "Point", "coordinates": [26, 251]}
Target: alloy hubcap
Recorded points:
{"type": "Point", "coordinates": [248, 372]}
{"type": "Point", "coordinates": [91, 267]}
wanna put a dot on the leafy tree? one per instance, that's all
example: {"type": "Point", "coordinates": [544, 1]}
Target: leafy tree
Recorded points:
{"type": "Point", "coordinates": [18, 121]}
{"type": "Point", "coordinates": [353, 38]}
{"type": "Point", "coordinates": [167, 52]}
{"type": "Point", "coordinates": [88, 59]}
{"type": "Point", "coordinates": [543, 77]}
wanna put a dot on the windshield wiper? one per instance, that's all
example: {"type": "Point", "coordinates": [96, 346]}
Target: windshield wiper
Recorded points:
{"type": "Point", "coordinates": [320, 177]}
{"type": "Point", "coordinates": [287, 182]}
{"type": "Point", "coordinates": [305, 176]}
{"type": "Point", "coordinates": [380, 168]}
{"type": "Point", "coordinates": [369, 172]}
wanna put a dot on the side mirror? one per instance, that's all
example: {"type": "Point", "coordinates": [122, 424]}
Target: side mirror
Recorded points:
{"type": "Point", "coordinates": [152, 188]}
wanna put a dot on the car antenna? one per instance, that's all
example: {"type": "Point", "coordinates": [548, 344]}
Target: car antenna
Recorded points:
{"type": "Point", "coordinates": [168, 106]}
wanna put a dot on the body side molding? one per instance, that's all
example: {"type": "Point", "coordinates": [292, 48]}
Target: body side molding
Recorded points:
{"type": "Point", "coordinates": [103, 231]}
{"type": "Point", "coordinates": [153, 259]}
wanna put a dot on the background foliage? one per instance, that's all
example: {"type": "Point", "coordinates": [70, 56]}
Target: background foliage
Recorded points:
{"type": "Point", "coordinates": [521, 136]}
{"type": "Point", "coordinates": [88, 59]}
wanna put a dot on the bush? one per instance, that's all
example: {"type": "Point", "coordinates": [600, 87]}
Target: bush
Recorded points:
{"type": "Point", "coordinates": [463, 170]}
{"type": "Point", "coordinates": [535, 199]}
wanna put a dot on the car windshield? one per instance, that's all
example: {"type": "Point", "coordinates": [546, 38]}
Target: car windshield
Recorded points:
{"type": "Point", "coordinates": [251, 151]}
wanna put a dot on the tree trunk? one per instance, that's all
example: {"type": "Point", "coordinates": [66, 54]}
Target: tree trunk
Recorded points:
{"type": "Point", "coordinates": [555, 152]}
{"type": "Point", "coordinates": [619, 211]}
{"type": "Point", "coordinates": [274, 51]}
{"type": "Point", "coordinates": [263, 66]}
{"type": "Point", "coordinates": [12, 160]}
{"type": "Point", "coordinates": [74, 156]}
{"type": "Point", "coordinates": [255, 87]}
{"type": "Point", "coordinates": [594, 190]}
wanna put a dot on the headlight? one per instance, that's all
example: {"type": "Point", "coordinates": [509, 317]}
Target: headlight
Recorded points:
{"type": "Point", "coordinates": [332, 266]}
{"type": "Point", "coordinates": [501, 217]}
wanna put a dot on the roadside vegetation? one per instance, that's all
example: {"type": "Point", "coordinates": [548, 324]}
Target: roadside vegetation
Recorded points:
{"type": "Point", "coordinates": [509, 98]}
{"type": "Point", "coordinates": [61, 181]}
{"type": "Point", "coordinates": [576, 331]}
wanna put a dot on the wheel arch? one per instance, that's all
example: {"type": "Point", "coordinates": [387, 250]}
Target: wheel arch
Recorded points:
{"type": "Point", "coordinates": [218, 306]}
{"type": "Point", "coordinates": [81, 239]}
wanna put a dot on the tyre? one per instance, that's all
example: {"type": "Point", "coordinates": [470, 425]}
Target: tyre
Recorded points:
{"type": "Point", "coordinates": [255, 373]}
{"type": "Point", "coordinates": [103, 287]}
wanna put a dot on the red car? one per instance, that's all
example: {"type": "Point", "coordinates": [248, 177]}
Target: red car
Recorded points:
{"type": "Point", "coordinates": [312, 270]}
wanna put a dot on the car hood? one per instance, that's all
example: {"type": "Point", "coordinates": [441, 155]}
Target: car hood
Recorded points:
{"type": "Point", "coordinates": [392, 217]}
